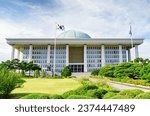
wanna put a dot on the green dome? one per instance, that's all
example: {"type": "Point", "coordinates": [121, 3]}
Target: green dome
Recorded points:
{"type": "Point", "coordinates": [74, 34]}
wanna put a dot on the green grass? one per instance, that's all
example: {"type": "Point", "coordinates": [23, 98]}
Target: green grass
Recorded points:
{"type": "Point", "coordinates": [47, 86]}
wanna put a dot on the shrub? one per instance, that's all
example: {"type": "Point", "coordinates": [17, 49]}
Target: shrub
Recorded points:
{"type": "Point", "coordinates": [145, 95]}
{"type": "Point", "coordinates": [43, 74]}
{"type": "Point", "coordinates": [84, 81]}
{"type": "Point", "coordinates": [103, 85]}
{"type": "Point", "coordinates": [96, 93]}
{"type": "Point", "coordinates": [107, 71]}
{"type": "Point", "coordinates": [131, 93]}
{"type": "Point", "coordinates": [95, 72]}
{"type": "Point", "coordinates": [120, 97]}
{"type": "Point", "coordinates": [36, 73]}
{"type": "Point", "coordinates": [66, 71]}
{"type": "Point", "coordinates": [128, 69]}
{"type": "Point", "coordinates": [68, 93]}
{"type": "Point", "coordinates": [56, 97]}
{"type": "Point", "coordinates": [22, 73]}
{"type": "Point", "coordinates": [9, 81]}
{"type": "Point", "coordinates": [109, 95]}
{"type": "Point", "coordinates": [36, 96]}
{"type": "Point", "coordinates": [79, 97]}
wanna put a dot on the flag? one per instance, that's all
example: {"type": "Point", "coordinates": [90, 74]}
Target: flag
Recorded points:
{"type": "Point", "coordinates": [130, 32]}
{"type": "Point", "coordinates": [60, 27]}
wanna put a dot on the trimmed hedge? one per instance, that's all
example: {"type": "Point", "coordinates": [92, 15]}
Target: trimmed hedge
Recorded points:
{"type": "Point", "coordinates": [109, 95]}
{"type": "Point", "coordinates": [131, 93]}
{"type": "Point", "coordinates": [56, 97]}
{"type": "Point", "coordinates": [36, 96]}
{"type": "Point", "coordinates": [78, 97]}
{"type": "Point", "coordinates": [145, 95]}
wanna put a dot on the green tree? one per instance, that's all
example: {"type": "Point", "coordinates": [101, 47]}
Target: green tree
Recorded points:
{"type": "Point", "coordinates": [36, 73]}
{"type": "Point", "coordinates": [43, 74]}
{"type": "Point", "coordinates": [107, 71]}
{"type": "Point", "coordinates": [9, 80]}
{"type": "Point", "coordinates": [66, 71]}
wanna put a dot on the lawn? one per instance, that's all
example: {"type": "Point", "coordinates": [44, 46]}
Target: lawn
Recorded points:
{"type": "Point", "coordinates": [48, 86]}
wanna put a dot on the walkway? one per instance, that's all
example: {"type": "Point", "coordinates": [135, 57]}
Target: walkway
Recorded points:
{"type": "Point", "coordinates": [122, 86]}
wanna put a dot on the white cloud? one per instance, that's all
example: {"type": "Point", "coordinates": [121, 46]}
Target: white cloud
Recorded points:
{"type": "Point", "coordinates": [98, 18]}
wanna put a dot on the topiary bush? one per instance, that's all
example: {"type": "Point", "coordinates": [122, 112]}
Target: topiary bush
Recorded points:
{"type": "Point", "coordinates": [95, 72]}
{"type": "Point", "coordinates": [131, 93]}
{"type": "Point", "coordinates": [66, 71]}
{"type": "Point", "coordinates": [79, 97]}
{"type": "Point", "coordinates": [145, 95]}
{"type": "Point", "coordinates": [107, 71]}
{"type": "Point", "coordinates": [109, 95]}
{"type": "Point", "coordinates": [96, 93]}
{"type": "Point", "coordinates": [120, 97]}
{"type": "Point", "coordinates": [68, 93]}
{"type": "Point", "coordinates": [36, 96]}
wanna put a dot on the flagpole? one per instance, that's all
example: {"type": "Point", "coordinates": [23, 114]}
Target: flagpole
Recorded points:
{"type": "Point", "coordinates": [54, 68]}
{"type": "Point", "coordinates": [131, 38]}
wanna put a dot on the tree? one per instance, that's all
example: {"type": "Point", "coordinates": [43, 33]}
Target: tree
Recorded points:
{"type": "Point", "coordinates": [66, 71]}
{"type": "Point", "coordinates": [9, 80]}
{"type": "Point", "coordinates": [43, 74]}
{"type": "Point", "coordinates": [36, 73]}
{"type": "Point", "coordinates": [107, 71]}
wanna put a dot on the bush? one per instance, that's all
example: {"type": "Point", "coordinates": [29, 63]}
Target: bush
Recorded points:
{"type": "Point", "coordinates": [107, 71]}
{"type": "Point", "coordinates": [131, 93]}
{"type": "Point", "coordinates": [95, 72]}
{"type": "Point", "coordinates": [128, 69]}
{"type": "Point", "coordinates": [22, 73]}
{"type": "Point", "coordinates": [109, 95]}
{"type": "Point", "coordinates": [69, 93]}
{"type": "Point", "coordinates": [96, 93]}
{"type": "Point", "coordinates": [56, 97]}
{"type": "Point", "coordinates": [36, 73]}
{"type": "Point", "coordinates": [9, 81]}
{"type": "Point", "coordinates": [36, 96]}
{"type": "Point", "coordinates": [43, 74]}
{"type": "Point", "coordinates": [120, 97]}
{"type": "Point", "coordinates": [145, 95]}
{"type": "Point", "coordinates": [66, 71]}
{"type": "Point", "coordinates": [79, 97]}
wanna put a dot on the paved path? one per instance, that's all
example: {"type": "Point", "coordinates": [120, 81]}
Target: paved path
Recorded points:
{"type": "Point", "coordinates": [122, 86]}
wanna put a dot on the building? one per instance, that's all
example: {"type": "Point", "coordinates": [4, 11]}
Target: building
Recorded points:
{"type": "Point", "coordinates": [75, 49]}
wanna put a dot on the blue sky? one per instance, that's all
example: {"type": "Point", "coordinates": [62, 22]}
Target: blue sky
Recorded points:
{"type": "Point", "coordinates": [98, 18]}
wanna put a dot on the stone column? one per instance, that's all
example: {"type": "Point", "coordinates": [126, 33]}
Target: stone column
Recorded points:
{"type": "Point", "coordinates": [85, 58]}
{"type": "Point", "coordinates": [136, 52]}
{"type": "Point", "coordinates": [67, 55]}
{"type": "Point", "coordinates": [103, 55]}
{"type": "Point", "coordinates": [120, 54]}
{"type": "Point", "coordinates": [13, 52]}
{"type": "Point", "coordinates": [21, 54]}
{"type": "Point", "coordinates": [48, 54]}
{"type": "Point", "coordinates": [129, 55]}
{"type": "Point", "coordinates": [18, 54]}
{"type": "Point", "coordinates": [30, 52]}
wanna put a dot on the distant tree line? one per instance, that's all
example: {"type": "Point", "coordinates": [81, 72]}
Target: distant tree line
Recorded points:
{"type": "Point", "coordinates": [137, 69]}
{"type": "Point", "coordinates": [17, 65]}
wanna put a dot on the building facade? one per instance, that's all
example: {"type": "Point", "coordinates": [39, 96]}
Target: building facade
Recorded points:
{"type": "Point", "coordinates": [75, 49]}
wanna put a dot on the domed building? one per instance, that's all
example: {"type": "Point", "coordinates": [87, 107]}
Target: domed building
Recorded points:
{"type": "Point", "coordinates": [75, 49]}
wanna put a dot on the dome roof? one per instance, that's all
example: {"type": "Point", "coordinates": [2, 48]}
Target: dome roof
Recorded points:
{"type": "Point", "coordinates": [74, 34]}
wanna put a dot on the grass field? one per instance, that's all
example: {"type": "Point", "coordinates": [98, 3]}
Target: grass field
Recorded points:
{"type": "Point", "coordinates": [48, 86]}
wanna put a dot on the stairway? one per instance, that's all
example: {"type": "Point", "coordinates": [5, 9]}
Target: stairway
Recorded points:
{"type": "Point", "coordinates": [81, 74]}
